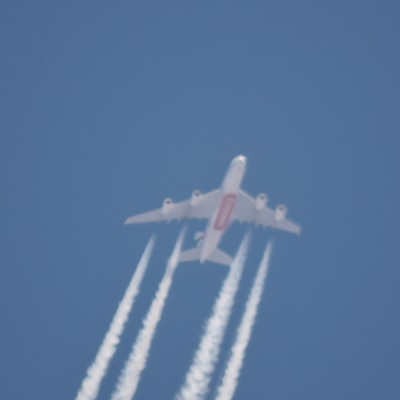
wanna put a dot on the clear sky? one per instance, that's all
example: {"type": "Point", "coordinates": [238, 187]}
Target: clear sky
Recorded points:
{"type": "Point", "coordinates": [108, 107]}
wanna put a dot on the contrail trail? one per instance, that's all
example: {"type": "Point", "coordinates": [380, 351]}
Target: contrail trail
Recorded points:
{"type": "Point", "coordinates": [199, 375]}
{"type": "Point", "coordinates": [134, 366]}
{"type": "Point", "coordinates": [94, 375]}
{"type": "Point", "coordinates": [232, 371]}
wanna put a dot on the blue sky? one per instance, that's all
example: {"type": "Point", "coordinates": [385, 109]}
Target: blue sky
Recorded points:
{"type": "Point", "coordinates": [107, 108]}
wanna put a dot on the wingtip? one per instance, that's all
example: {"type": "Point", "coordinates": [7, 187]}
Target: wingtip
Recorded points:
{"type": "Point", "coordinates": [128, 221]}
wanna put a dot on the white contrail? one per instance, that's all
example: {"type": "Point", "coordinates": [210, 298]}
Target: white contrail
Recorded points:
{"type": "Point", "coordinates": [199, 375]}
{"type": "Point", "coordinates": [130, 375]}
{"type": "Point", "coordinates": [94, 375]}
{"type": "Point", "coordinates": [232, 371]}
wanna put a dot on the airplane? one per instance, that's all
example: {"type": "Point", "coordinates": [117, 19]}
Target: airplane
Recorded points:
{"type": "Point", "coordinates": [221, 207]}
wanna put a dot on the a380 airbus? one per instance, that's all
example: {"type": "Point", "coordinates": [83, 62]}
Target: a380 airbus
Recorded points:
{"type": "Point", "coordinates": [221, 207]}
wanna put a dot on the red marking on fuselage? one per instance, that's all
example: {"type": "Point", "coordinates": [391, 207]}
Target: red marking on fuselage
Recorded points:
{"type": "Point", "coordinates": [225, 211]}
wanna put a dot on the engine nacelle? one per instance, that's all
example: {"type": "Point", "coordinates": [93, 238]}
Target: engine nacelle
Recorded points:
{"type": "Point", "coordinates": [261, 201]}
{"type": "Point", "coordinates": [280, 212]}
{"type": "Point", "coordinates": [194, 200]}
{"type": "Point", "coordinates": [167, 206]}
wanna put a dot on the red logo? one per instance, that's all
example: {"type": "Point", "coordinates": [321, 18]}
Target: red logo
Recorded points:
{"type": "Point", "coordinates": [225, 212]}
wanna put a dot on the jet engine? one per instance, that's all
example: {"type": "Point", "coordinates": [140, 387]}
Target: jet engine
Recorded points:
{"type": "Point", "coordinates": [280, 212]}
{"type": "Point", "coordinates": [167, 206]}
{"type": "Point", "coordinates": [261, 201]}
{"type": "Point", "coordinates": [194, 200]}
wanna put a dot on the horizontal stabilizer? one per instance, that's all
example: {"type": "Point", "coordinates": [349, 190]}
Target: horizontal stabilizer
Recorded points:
{"type": "Point", "coordinates": [220, 257]}
{"type": "Point", "coordinates": [190, 255]}
{"type": "Point", "coordinates": [217, 256]}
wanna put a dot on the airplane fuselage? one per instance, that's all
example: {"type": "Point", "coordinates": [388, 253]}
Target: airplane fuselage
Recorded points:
{"type": "Point", "coordinates": [220, 207]}
{"type": "Point", "coordinates": [221, 218]}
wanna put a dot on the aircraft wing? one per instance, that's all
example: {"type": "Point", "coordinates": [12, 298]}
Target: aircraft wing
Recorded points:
{"type": "Point", "coordinates": [202, 208]}
{"type": "Point", "coordinates": [245, 211]}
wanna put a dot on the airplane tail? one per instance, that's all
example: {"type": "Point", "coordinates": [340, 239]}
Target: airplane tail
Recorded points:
{"type": "Point", "coordinates": [217, 256]}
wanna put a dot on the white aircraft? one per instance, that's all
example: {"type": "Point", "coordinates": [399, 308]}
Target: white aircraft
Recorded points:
{"type": "Point", "coordinates": [221, 207]}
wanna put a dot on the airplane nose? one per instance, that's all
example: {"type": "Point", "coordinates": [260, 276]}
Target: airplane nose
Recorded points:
{"type": "Point", "coordinates": [240, 159]}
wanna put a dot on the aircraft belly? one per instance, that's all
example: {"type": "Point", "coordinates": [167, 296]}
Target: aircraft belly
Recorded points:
{"type": "Point", "coordinates": [224, 213]}
{"type": "Point", "coordinates": [211, 241]}
{"type": "Point", "coordinates": [233, 177]}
